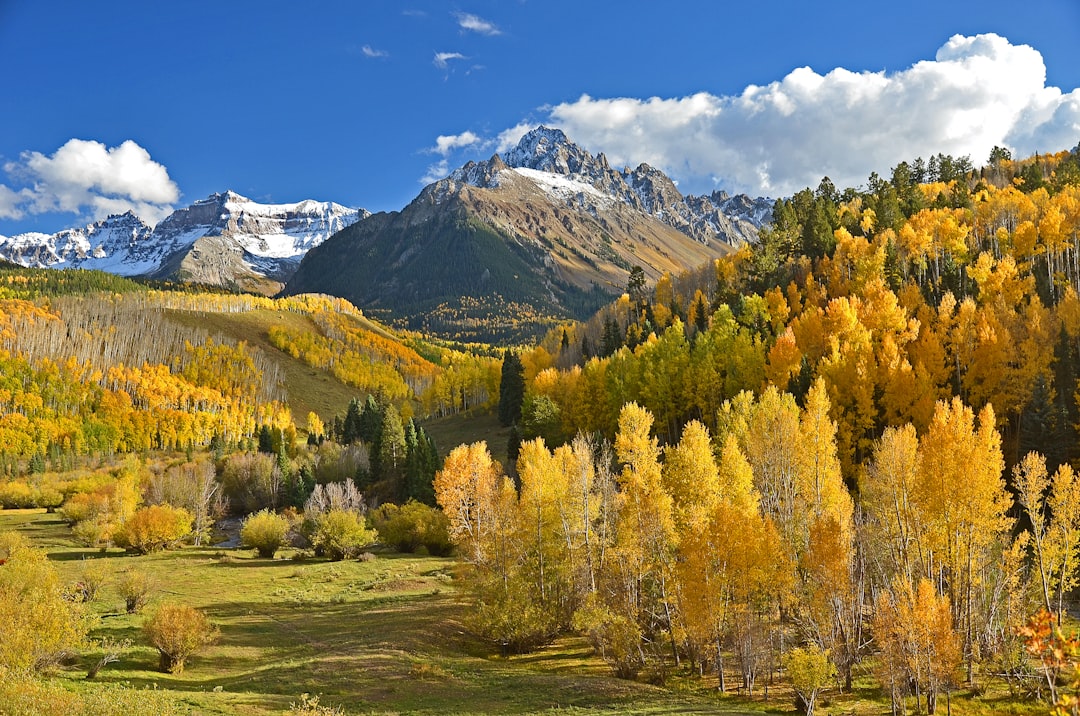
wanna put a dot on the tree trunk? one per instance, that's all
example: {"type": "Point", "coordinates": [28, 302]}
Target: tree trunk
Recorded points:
{"type": "Point", "coordinates": [720, 667]}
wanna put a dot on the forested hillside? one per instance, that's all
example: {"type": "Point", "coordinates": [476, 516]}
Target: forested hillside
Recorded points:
{"type": "Point", "coordinates": [95, 365]}
{"type": "Point", "coordinates": [846, 448]}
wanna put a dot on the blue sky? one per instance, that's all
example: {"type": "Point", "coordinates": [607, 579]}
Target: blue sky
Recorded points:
{"type": "Point", "coordinates": [116, 105]}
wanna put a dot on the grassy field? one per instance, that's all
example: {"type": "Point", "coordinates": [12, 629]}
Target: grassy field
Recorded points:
{"type": "Point", "coordinates": [384, 636]}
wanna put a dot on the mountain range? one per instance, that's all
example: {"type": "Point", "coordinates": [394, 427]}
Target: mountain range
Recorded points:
{"type": "Point", "coordinates": [224, 240]}
{"type": "Point", "coordinates": [498, 249]}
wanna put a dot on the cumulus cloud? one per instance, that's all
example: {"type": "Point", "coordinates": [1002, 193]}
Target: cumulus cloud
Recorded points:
{"type": "Point", "coordinates": [87, 178]}
{"type": "Point", "coordinates": [447, 143]}
{"type": "Point", "coordinates": [773, 140]}
{"type": "Point", "coordinates": [442, 59]}
{"type": "Point", "coordinates": [474, 23]}
{"type": "Point", "coordinates": [370, 51]}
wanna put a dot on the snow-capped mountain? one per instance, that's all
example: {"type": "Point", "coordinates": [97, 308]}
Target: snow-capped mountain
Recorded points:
{"type": "Point", "coordinates": [551, 160]}
{"type": "Point", "coordinates": [225, 239]}
{"type": "Point", "coordinates": [507, 246]}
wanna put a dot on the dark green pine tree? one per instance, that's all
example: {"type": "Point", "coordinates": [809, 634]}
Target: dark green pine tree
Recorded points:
{"type": "Point", "coordinates": [1065, 380]}
{"type": "Point", "coordinates": [701, 314]}
{"type": "Point", "coordinates": [371, 419]}
{"type": "Point", "coordinates": [1041, 426]}
{"type": "Point", "coordinates": [511, 389]}
{"type": "Point", "coordinates": [613, 338]}
{"type": "Point", "coordinates": [635, 286]}
{"type": "Point", "coordinates": [513, 450]}
{"type": "Point", "coordinates": [421, 464]}
{"type": "Point", "coordinates": [37, 463]}
{"type": "Point", "coordinates": [266, 440]}
{"type": "Point", "coordinates": [350, 427]}
{"type": "Point", "coordinates": [299, 486]}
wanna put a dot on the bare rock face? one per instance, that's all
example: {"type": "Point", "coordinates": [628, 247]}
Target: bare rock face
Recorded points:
{"type": "Point", "coordinates": [223, 240]}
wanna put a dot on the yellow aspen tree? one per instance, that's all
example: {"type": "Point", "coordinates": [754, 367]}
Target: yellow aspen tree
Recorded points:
{"type": "Point", "coordinates": [913, 628]}
{"type": "Point", "coordinates": [894, 525]}
{"type": "Point", "coordinates": [578, 511]}
{"type": "Point", "coordinates": [691, 478]}
{"type": "Point", "coordinates": [646, 532]}
{"type": "Point", "coordinates": [1064, 532]}
{"type": "Point", "coordinates": [770, 442]}
{"type": "Point", "coordinates": [820, 483]}
{"type": "Point", "coordinates": [735, 478]}
{"type": "Point", "coordinates": [468, 489]}
{"type": "Point", "coordinates": [962, 495]}
{"type": "Point", "coordinates": [1031, 483]}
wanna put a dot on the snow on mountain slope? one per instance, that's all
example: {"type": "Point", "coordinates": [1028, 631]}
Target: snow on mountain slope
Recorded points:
{"type": "Point", "coordinates": [269, 239]}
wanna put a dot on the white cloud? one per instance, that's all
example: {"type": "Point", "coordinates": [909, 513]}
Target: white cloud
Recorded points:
{"type": "Point", "coordinates": [474, 23]}
{"type": "Point", "coordinates": [9, 203]}
{"type": "Point", "coordinates": [370, 51]}
{"type": "Point", "coordinates": [773, 140]}
{"type": "Point", "coordinates": [87, 178]}
{"type": "Point", "coordinates": [442, 59]}
{"type": "Point", "coordinates": [445, 144]}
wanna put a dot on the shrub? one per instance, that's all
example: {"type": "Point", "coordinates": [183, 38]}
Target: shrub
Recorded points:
{"type": "Point", "coordinates": [93, 533]}
{"type": "Point", "coordinates": [511, 615]}
{"type": "Point", "coordinates": [136, 587]}
{"type": "Point", "coordinates": [310, 706]}
{"type": "Point", "coordinates": [811, 671]}
{"type": "Point", "coordinates": [37, 625]}
{"type": "Point", "coordinates": [153, 528]}
{"type": "Point", "coordinates": [16, 495]}
{"type": "Point", "coordinates": [341, 534]}
{"type": "Point", "coordinates": [615, 637]}
{"type": "Point", "coordinates": [265, 532]}
{"type": "Point", "coordinates": [91, 578]}
{"type": "Point", "coordinates": [178, 631]}
{"type": "Point", "coordinates": [411, 526]}
{"type": "Point", "coordinates": [26, 694]}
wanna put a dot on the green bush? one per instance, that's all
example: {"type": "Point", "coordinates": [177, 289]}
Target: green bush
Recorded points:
{"type": "Point", "coordinates": [265, 532]}
{"type": "Point", "coordinates": [411, 526]}
{"type": "Point", "coordinates": [341, 534]}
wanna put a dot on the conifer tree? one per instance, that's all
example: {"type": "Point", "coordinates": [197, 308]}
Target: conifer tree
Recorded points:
{"type": "Point", "coordinates": [511, 389]}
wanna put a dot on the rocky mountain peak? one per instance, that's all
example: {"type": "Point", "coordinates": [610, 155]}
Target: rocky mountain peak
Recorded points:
{"type": "Point", "coordinates": [549, 150]}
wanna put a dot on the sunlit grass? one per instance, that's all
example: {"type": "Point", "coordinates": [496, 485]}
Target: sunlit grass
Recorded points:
{"type": "Point", "coordinates": [386, 636]}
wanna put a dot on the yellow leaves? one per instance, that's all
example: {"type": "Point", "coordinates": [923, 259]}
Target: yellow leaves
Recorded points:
{"type": "Point", "coordinates": [38, 625]}
{"type": "Point", "coordinates": [690, 476]}
{"type": "Point", "coordinates": [785, 360]}
{"type": "Point", "coordinates": [468, 489]}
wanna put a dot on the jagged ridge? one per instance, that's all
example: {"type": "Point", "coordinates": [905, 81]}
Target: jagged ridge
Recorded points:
{"type": "Point", "coordinates": [224, 240]}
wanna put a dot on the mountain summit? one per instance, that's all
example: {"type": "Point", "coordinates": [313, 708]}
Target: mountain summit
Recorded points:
{"type": "Point", "coordinates": [223, 240]}
{"type": "Point", "coordinates": [503, 248]}
{"type": "Point", "coordinates": [732, 220]}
